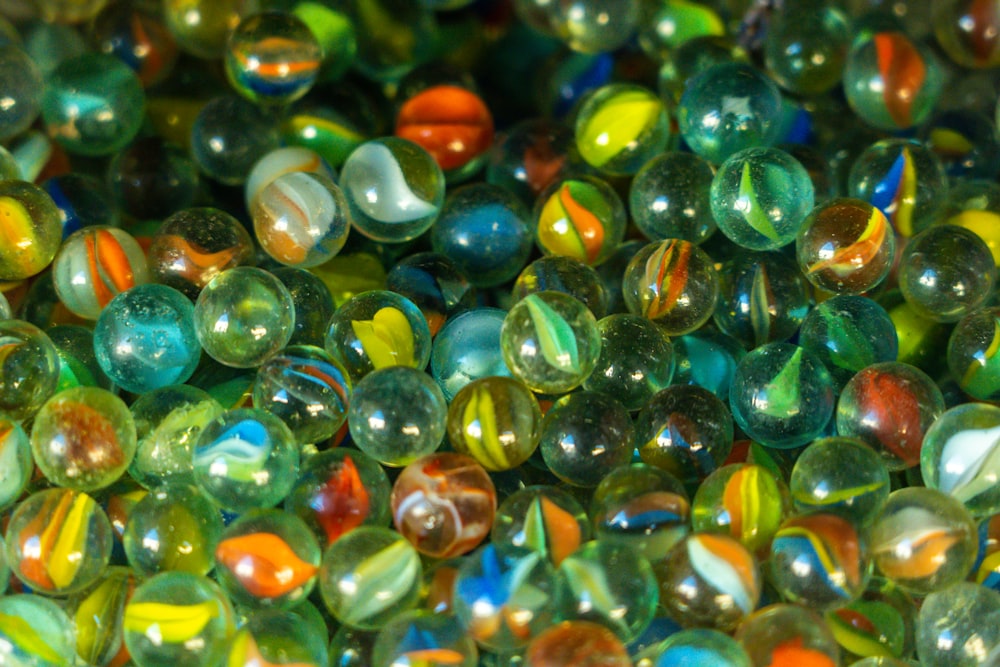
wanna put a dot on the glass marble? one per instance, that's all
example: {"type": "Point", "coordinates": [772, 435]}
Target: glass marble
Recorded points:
{"type": "Point", "coordinates": [890, 405]}
{"type": "Point", "coordinates": [178, 618]}
{"type": "Point", "coordinates": [583, 436]}
{"type": "Point", "coordinates": [763, 298]}
{"type": "Point", "coordinates": [370, 576]}
{"type": "Point", "coordinates": [93, 104]}
{"type": "Point", "coordinates": [280, 162]}
{"type": "Point", "coordinates": [966, 142]}
{"type": "Point", "coordinates": [782, 395]}
{"type": "Point", "coordinates": [138, 36]}
{"type": "Point", "coordinates": [550, 341]}
{"type": "Point", "coordinates": [891, 81]}
{"type": "Point", "coordinates": [243, 317]}
{"type": "Point", "coordinates": [486, 232]}
{"type": "Point", "coordinates": [966, 31]}
{"type": "Point", "coordinates": [307, 389]}
{"type": "Point", "coordinates": [807, 46]}
{"type": "Point", "coordinates": [394, 187]}
{"type": "Point", "coordinates": [15, 461]}
{"type": "Point", "coordinates": [335, 32]}
{"type": "Point", "coordinates": [619, 127]}
{"type": "Point", "coordinates": [24, 85]}
{"type": "Point", "coordinates": [709, 580]}
{"type": "Point", "coordinates": [958, 627]}
{"type": "Point", "coordinates": [468, 349]}
{"type": "Point", "coordinates": [669, 25]}
{"type": "Point", "coordinates": [542, 518]}
{"type": "Point", "coordinates": [97, 613]}
{"type": "Point", "coordinates": [96, 264]}
{"type": "Point", "coordinates": [267, 558]}
{"type": "Point", "coordinates": [276, 637]}
{"type": "Point", "coordinates": [229, 135]}
{"type": "Point", "coordinates": [842, 476]}
{"type": "Point", "coordinates": [576, 643]}
{"type": "Point", "coordinates": [760, 198]}
{"type": "Point", "coordinates": [36, 632]}
{"type": "Point", "coordinates": [642, 508]}
{"type": "Point", "coordinates": [636, 361]}
{"type": "Point", "coordinates": [451, 123]}
{"type": "Point", "coordinates": [580, 217]}
{"type": "Point", "coordinates": [11, 165]}
{"type": "Point", "coordinates": [700, 647]}
{"type": "Point", "coordinates": [152, 178]}
{"type": "Point", "coordinates": [879, 623]}
{"type": "Point", "coordinates": [58, 541]}
{"type": "Point", "coordinates": [607, 584]}
{"type": "Point", "coordinates": [167, 424]}
{"type": "Point", "coordinates": [272, 58]}
{"type": "Point", "coordinates": [378, 329]}
{"type": "Point", "coordinates": [145, 338]}
{"type": "Point", "coordinates": [245, 459]}
{"type": "Point", "coordinates": [593, 26]}
{"type": "Point", "coordinates": [496, 421]}
{"type": "Point", "coordinates": [670, 198]}
{"type": "Point", "coordinates": [49, 44]}
{"type": "Point", "coordinates": [337, 491]}
{"type": "Point", "coordinates": [29, 369]}
{"type": "Point", "coordinates": [819, 560]}
{"type": "Point", "coordinates": [946, 272]}
{"type": "Point", "coordinates": [313, 304]}
{"type": "Point", "coordinates": [193, 246]}
{"type": "Point", "coordinates": [972, 359]}
{"type": "Point", "coordinates": [438, 590]}
{"type": "Point", "coordinates": [530, 156]}
{"type": "Point", "coordinates": [959, 453]}
{"type": "Point", "coordinates": [986, 568]}
{"type": "Point", "coordinates": [202, 26]}
{"type": "Point", "coordinates": [397, 414]}
{"type": "Point", "coordinates": [435, 284]}
{"type": "Point", "coordinates": [694, 56]}
{"type": "Point", "coordinates": [921, 340]}
{"type": "Point", "coordinates": [443, 504]}
{"type": "Point", "coordinates": [393, 38]}
{"type": "Point", "coordinates": [786, 633]}
{"type": "Point", "coordinates": [417, 633]}
{"type": "Point", "coordinates": [673, 283]}
{"type": "Point", "coordinates": [849, 333]}
{"type": "Point", "coordinates": [351, 648]}
{"type": "Point", "coordinates": [83, 438]}
{"type": "Point", "coordinates": [505, 597]}
{"type": "Point", "coordinates": [564, 274]}
{"type": "Point", "coordinates": [330, 131]}
{"type": "Point", "coordinates": [846, 246]}
{"type": "Point", "coordinates": [923, 541]}
{"type": "Point", "coordinates": [881, 661]}
{"type": "Point", "coordinates": [727, 108]}
{"type": "Point", "coordinates": [902, 178]}
{"type": "Point", "coordinates": [975, 205]}
{"type": "Point", "coordinates": [174, 528]}
{"type": "Point", "coordinates": [746, 501]}
{"type": "Point", "coordinates": [32, 226]}
{"type": "Point", "coordinates": [707, 358]}
{"type": "Point", "coordinates": [121, 500]}
{"type": "Point", "coordinates": [685, 430]}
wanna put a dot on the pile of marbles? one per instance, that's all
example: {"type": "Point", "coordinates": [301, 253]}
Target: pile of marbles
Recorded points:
{"type": "Point", "coordinates": [499, 332]}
